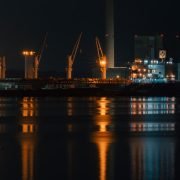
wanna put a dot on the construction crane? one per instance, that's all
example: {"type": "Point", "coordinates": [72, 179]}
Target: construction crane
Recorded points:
{"type": "Point", "coordinates": [37, 59]}
{"type": "Point", "coordinates": [102, 60]}
{"type": "Point", "coordinates": [71, 58]}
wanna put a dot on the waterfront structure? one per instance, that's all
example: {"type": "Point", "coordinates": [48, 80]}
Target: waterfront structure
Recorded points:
{"type": "Point", "coordinates": [147, 47]}
{"type": "Point", "coordinates": [147, 71]}
{"type": "Point", "coordinates": [2, 67]}
{"type": "Point", "coordinates": [172, 70]}
{"type": "Point", "coordinates": [31, 65]}
{"type": "Point", "coordinates": [154, 70]}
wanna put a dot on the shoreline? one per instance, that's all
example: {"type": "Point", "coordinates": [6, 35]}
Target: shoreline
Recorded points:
{"type": "Point", "coordinates": [36, 89]}
{"type": "Point", "coordinates": [79, 92]}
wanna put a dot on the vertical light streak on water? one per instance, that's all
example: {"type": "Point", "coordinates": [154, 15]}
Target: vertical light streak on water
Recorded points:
{"type": "Point", "coordinates": [152, 158]}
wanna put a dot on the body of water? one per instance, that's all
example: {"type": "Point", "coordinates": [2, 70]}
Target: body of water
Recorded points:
{"type": "Point", "coordinates": [89, 138]}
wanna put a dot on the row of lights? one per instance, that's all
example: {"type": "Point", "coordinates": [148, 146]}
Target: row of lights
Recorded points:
{"type": "Point", "coordinates": [139, 70]}
{"type": "Point", "coordinates": [171, 76]}
{"type": "Point", "coordinates": [28, 53]}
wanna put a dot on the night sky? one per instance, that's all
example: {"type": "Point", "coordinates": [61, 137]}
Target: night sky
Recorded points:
{"type": "Point", "coordinates": [24, 24]}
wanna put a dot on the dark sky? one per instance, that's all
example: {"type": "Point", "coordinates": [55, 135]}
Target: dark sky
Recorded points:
{"type": "Point", "coordinates": [23, 25]}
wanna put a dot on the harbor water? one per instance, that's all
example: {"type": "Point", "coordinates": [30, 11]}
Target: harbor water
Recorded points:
{"type": "Point", "coordinates": [89, 138]}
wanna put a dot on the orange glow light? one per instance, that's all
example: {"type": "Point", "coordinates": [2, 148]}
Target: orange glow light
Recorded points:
{"type": "Point", "coordinates": [28, 53]}
{"type": "Point", "coordinates": [102, 63]}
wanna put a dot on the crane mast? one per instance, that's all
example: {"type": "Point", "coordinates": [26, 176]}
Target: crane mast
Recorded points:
{"type": "Point", "coordinates": [37, 59]}
{"type": "Point", "coordinates": [71, 58]}
{"type": "Point", "coordinates": [102, 60]}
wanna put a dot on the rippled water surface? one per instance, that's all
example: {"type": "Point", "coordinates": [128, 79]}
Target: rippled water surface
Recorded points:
{"type": "Point", "coordinates": [92, 138]}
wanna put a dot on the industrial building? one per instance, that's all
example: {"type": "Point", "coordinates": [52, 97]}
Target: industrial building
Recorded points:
{"type": "Point", "coordinates": [147, 71]}
{"type": "Point", "coordinates": [154, 70]}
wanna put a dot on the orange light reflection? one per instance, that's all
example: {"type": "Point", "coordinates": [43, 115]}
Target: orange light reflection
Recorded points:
{"type": "Point", "coordinates": [29, 107]}
{"type": "Point", "coordinates": [103, 105]}
{"type": "Point", "coordinates": [102, 138]}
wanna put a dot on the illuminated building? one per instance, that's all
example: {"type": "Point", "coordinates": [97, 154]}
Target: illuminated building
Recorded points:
{"type": "Point", "coordinates": [154, 70]}
{"type": "Point", "coordinates": [172, 70]}
{"type": "Point", "coordinates": [148, 48]}
{"type": "Point", "coordinates": [147, 71]}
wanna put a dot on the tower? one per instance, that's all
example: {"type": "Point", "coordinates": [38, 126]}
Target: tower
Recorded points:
{"type": "Point", "coordinates": [31, 65]}
{"type": "Point", "coordinates": [2, 67]}
{"type": "Point", "coordinates": [110, 32]}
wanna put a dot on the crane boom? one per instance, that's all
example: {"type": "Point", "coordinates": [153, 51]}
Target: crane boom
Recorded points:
{"type": "Point", "coordinates": [43, 46]}
{"type": "Point", "coordinates": [99, 49]}
{"type": "Point", "coordinates": [101, 59]}
{"type": "Point", "coordinates": [76, 46]}
{"type": "Point", "coordinates": [71, 57]}
{"type": "Point", "coordinates": [37, 58]}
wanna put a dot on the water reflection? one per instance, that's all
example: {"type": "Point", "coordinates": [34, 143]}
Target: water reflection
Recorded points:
{"type": "Point", "coordinates": [103, 105]}
{"type": "Point", "coordinates": [70, 106]}
{"type": "Point", "coordinates": [103, 138]}
{"type": "Point", "coordinates": [67, 153]}
{"type": "Point", "coordinates": [27, 140]}
{"type": "Point", "coordinates": [28, 149]}
{"type": "Point", "coordinates": [152, 105]}
{"type": "Point", "coordinates": [27, 137]}
{"type": "Point", "coordinates": [29, 128]}
{"type": "Point", "coordinates": [151, 126]}
{"type": "Point", "coordinates": [152, 158]}
{"type": "Point", "coordinates": [29, 107]}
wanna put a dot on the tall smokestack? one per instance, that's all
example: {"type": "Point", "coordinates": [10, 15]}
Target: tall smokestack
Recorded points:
{"type": "Point", "coordinates": [110, 32]}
